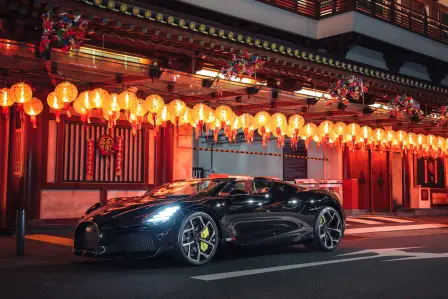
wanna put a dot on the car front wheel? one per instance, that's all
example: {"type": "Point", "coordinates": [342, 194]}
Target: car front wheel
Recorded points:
{"type": "Point", "coordinates": [197, 239]}
{"type": "Point", "coordinates": [327, 230]}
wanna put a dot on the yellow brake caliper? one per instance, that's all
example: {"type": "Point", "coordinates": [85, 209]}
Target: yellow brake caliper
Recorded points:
{"type": "Point", "coordinates": [322, 219]}
{"type": "Point", "coordinates": [204, 234]}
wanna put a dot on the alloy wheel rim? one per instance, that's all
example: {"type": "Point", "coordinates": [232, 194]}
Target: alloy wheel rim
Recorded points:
{"type": "Point", "coordinates": [199, 239]}
{"type": "Point", "coordinates": [330, 228]}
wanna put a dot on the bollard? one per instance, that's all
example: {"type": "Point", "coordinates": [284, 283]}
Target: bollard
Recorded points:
{"type": "Point", "coordinates": [20, 233]}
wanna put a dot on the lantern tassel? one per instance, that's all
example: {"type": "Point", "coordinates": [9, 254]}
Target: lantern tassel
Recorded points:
{"type": "Point", "coordinates": [5, 111]}
{"type": "Point", "coordinates": [67, 110]}
{"type": "Point", "coordinates": [57, 114]}
{"type": "Point", "coordinates": [33, 121]}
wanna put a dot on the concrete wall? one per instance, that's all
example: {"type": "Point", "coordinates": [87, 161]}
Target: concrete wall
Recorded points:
{"type": "Point", "coordinates": [241, 164]}
{"type": "Point", "coordinates": [331, 169]}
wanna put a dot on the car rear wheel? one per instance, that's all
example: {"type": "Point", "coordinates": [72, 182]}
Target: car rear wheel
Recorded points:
{"type": "Point", "coordinates": [197, 240]}
{"type": "Point", "coordinates": [327, 231]}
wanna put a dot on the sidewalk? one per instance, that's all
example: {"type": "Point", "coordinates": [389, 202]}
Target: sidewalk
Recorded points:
{"type": "Point", "coordinates": [36, 254]}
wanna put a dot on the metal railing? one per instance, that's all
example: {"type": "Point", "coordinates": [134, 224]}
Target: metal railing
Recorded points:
{"type": "Point", "coordinates": [387, 11]}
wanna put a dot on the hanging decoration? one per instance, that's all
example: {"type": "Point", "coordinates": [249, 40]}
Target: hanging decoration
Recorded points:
{"type": "Point", "coordinates": [200, 112]}
{"type": "Point", "coordinates": [81, 110]}
{"type": "Point", "coordinates": [177, 109]}
{"type": "Point", "coordinates": [442, 121]}
{"type": "Point", "coordinates": [33, 108]}
{"type": "Point", "coordinates": [405, 107]}
{"type": "Point", "coordinates": [119, 143]}
{"type": "Point", "coordinates": [6, 100]}
{"type": "Point", "coordinates": [154, 104]}
{"type": "Point", "coordinates": [90, 157]}
{"type": "Point", "coordinates": [247, 122]}
{"type": "Point", "coordinates": [112, 109]}
{"type": "Point", "coordinates": [346, 86]}
{"type": "Point", "coordinates": [21, 93]}
{"type": "Point", "coordinates": [56, 104]}
{"type": "Point", "coordinates": [241, 65]}
{"type": "Point", "coordinates": [66, 31]}
{"type": "Point", "coordinates": [106, 145]}
{"type": "Point", "coordinates": [68, 93]}
{"type": "Point", "coordinates": [138, 112]}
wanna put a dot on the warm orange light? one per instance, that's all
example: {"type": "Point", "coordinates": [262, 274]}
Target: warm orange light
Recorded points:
{"type": "Point", "coordinates": [100, 97]}
{"type": "Point", "coordinates": [127, 100]}
{"type": "Point", "coordinates": [66, 91]}
{"type": "Point", "coordinates": [33, 108]}
{"type": "Point", "coordinates": [154, 104]}
{"type": "Point", "coordinates": [21, 92]}
{"type": "Point", "coordinates": [54, 102]}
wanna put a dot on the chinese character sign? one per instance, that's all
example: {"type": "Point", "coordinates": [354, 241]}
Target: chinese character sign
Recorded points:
{"type": "Point", "coordinates": [90, 159]}
{"type": "Point", "coordinates": [106, 145]}
{"type": "Point", "coordinates": [119, 141]}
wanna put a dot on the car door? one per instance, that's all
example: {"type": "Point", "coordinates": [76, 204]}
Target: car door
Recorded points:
{"type": "Point", "coordinates": [249, 215]}
{"type": "Point", "coordinates": [290, 223]}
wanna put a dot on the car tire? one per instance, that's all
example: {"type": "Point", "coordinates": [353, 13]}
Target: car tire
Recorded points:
{"type": "Point", "coordinates": [197, 239]}
{"type": "Point", "coordinates": [325, 224]}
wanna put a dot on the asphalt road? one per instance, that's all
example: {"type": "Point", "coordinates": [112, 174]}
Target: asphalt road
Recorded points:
{"type": "Point", "coordinates": [290, 272]}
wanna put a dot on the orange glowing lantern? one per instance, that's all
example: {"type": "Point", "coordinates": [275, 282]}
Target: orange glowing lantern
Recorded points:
{"type": "Point", "coordinates": [200, 112]}
{"type": "Point", "coordinates": [79, 108]}
{"type": "Point", "coordinates": [187, 118]}
{"type": "Point", "coordinates": [165, 116]}
{"type": "Point", "coordinates": [86, 100]}
{"type": "Point", "coordinates": [262, 119]}
{"type": "Point", "coordinates": [248, 125]}
{"type": "Point", "coordinates": [366, 134]}
{"type": "Point", "coordinates": [127, 100]}
{"type": "Point", "coordinates": [177, 109]}
{"type": "Point", "coordinates": [33, 108]}
{"type": "Point", "coordinates": [378, 137]}
{"type": "Point", "coordinates": [154, 104]}
{"type": "Point", "coordinates": [402, 138]}
{"type": "Point", "coordinates": [56, 104]}
{"type": "Point", "coordinates": [295, 122]}
{"type": "Point", "coordinates": [431, 141]}
{"type": "Point", "coordinates": [223, 114]}
{"type": "Point", "coordinates": [100, 97]}
{"type": "Point", "coordinates": [325, 129]}
{"type": "Point", "coordinates": [339, 131]}
{"type": "Point", "coordinates": [278, 122]}
{"type": "Point", "coordinates": [138, 112]}
{"type": "Point", "coordinates": [421, 141]}
{"type": "Point", "coordinates": [113, 109]}
{"type": "Point", "coordinates": [68, 93]}
{"type": "Point", "coordinates": [353, 130]}
{"type": "Point", "coordinates": [6, 100]}
{"type": "Point", "coordinates": [390, 137]}
{"type": "Point", "coordinates": [441, 145]}
{"type": "Point", "coordinates": [21, 93]}
{"type": "Point", "coordinates": [309, 130]}
{"type": "Point", "coordinates": [412, 140]}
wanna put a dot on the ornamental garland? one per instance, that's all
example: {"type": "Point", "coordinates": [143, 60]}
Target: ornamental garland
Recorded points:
{"type": "Point", "coordinates": [405, 107]}
{"type": "Point", "coordinates": [351, 86]}
{"type": "Point", "coordinates": [66, 31]}
{"type": "Point", "coordinates": [442, 121]}
{"type": "Point", "coordinates": [247, 64]}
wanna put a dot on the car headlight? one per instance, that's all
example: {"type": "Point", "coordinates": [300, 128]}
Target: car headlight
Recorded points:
{"type": "Point", "coordinates": [162, 215]}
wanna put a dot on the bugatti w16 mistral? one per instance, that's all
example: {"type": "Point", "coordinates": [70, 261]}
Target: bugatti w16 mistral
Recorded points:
{"type": "Point", "coordinates": [193, 217]}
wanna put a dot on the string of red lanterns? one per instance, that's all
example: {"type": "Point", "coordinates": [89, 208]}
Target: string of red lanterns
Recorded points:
{"type": "Point", "coordinates": [158, 113]}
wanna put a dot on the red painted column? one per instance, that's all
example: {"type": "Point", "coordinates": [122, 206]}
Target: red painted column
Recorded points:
{"type": "Point", "coordinates": [164, 155]}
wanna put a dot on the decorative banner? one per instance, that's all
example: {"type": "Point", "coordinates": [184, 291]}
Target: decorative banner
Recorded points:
{"type": "Point", "coordinates": [119, 141]}
{"type": "Point", "coordinates": [89, 159]}
{"type": "Point", "coordinates": [106, 145]}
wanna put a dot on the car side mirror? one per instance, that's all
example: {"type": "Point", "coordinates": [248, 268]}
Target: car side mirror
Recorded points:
{"type": "Point", "coordinates": [238, 192]}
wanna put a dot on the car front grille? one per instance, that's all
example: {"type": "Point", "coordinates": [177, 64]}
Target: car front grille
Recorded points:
{"type": "Point", "coordinates": [87, 237]}
{"type": "Point", "coordinates": [137, 242]}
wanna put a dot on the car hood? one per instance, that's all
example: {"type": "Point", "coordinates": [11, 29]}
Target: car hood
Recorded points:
{"type": "Point", "coordinates": [130, 210]}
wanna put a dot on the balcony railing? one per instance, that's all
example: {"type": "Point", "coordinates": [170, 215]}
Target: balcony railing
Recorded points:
{"type": "Point", "coordinates": [387, 11]}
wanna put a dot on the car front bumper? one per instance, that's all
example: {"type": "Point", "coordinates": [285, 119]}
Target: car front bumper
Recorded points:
{"type": "Point", "coordinates": [142, 241]}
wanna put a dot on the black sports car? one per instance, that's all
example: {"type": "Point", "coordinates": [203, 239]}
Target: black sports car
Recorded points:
{"type": "Point", "coordinates": [193, 217]}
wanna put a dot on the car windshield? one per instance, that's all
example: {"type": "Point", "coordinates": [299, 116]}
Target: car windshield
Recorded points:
{"type": "Point", "coordinates": [185, 188]}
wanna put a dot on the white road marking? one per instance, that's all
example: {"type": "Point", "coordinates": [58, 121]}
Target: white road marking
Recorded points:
{"type": "Point", "coordinates": [390, 219]}
{"type": "Point", "coordinates": [396, 253]}
{"type": "Point", "coordinates": [363, 221]}
{"type": "Point", "coordinates": [365, 230]}
{"type": "Point", "coordinates": [225, 275]}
